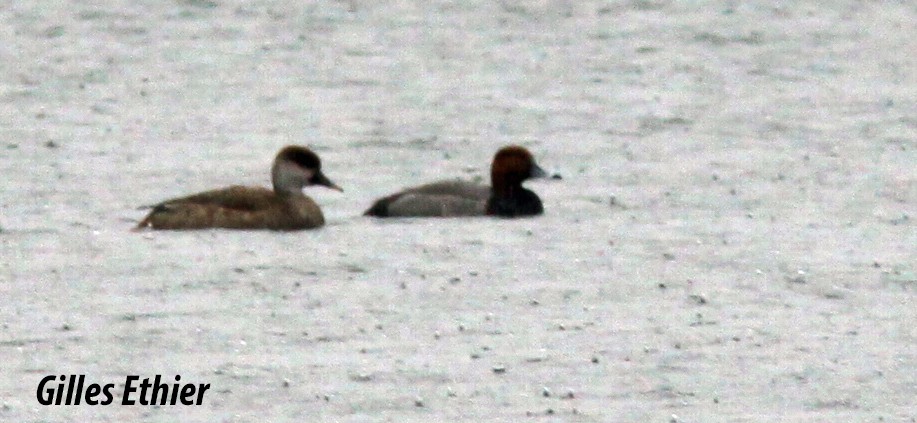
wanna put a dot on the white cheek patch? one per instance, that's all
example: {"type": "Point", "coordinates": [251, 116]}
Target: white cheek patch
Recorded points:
{"type": "Point", "coordinates": [297, 171]}
{"type": "Point", "coordinates": [287, 174]}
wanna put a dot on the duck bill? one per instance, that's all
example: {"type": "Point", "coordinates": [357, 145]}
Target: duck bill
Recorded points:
{"type": "Point", "coordinates": [537, 172]}
{"type": "Point", "coordinates": [321, 179]}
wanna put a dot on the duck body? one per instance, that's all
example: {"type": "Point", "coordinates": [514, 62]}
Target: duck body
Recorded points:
{"type": "Point", "coordinates": [237, 207]}
{"type": "Point", "coordinates": [241, 207]}
{"type": "Point", "coordinates": [454, 198]}
{"type": "Point", "coordinates": [438, 199]}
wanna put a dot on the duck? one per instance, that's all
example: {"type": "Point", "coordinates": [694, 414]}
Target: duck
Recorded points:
{"type": "Point", "coordinates": [284, 208]}
{"type": "Point", "coordinates": [505, 197]}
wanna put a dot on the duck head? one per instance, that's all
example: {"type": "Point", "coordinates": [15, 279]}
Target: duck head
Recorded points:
{"type": "Point", "coordinates": [511, 166]}
{"type": "Point", "coordinates": [296, 167]}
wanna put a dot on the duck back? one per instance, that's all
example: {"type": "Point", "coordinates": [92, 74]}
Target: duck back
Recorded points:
{"type": "Point", "coordinates": [236, 207]}
{"type": "Point", "coordinates": [438, 199]}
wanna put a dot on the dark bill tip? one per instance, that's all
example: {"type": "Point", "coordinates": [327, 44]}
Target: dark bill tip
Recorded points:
{"type": "Point", "coordinates": [321, 179]}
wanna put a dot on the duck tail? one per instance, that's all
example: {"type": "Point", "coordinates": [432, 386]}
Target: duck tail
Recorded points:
{"type": "Point", "coordinates": [144, 224]}
{"type": "Point", "coordinates": [147, 221]}
{"type": "Point", "coordinates": [380, 207]}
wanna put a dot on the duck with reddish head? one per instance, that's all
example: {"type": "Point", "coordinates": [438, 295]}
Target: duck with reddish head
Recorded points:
{"type": "Point", "coordinates": [241, 207]}
{"type": "Point", "coordinates": [505, 197]}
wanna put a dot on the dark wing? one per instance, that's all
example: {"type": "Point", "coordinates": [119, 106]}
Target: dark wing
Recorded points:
{"type": "Point", "coordinates": [235, 197]}
{"type": "Point", "coordinates": [454, 188]}
{"type": "Point", "coordinates": [206, 209]}
{"type": "Point", "coordinates": [438, 199]}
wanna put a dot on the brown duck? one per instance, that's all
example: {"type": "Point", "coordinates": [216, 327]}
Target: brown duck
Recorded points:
{"type": "Point", "coordinates": [241, 207]}
{"type": "Point", "coordinates": [505, 197]}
